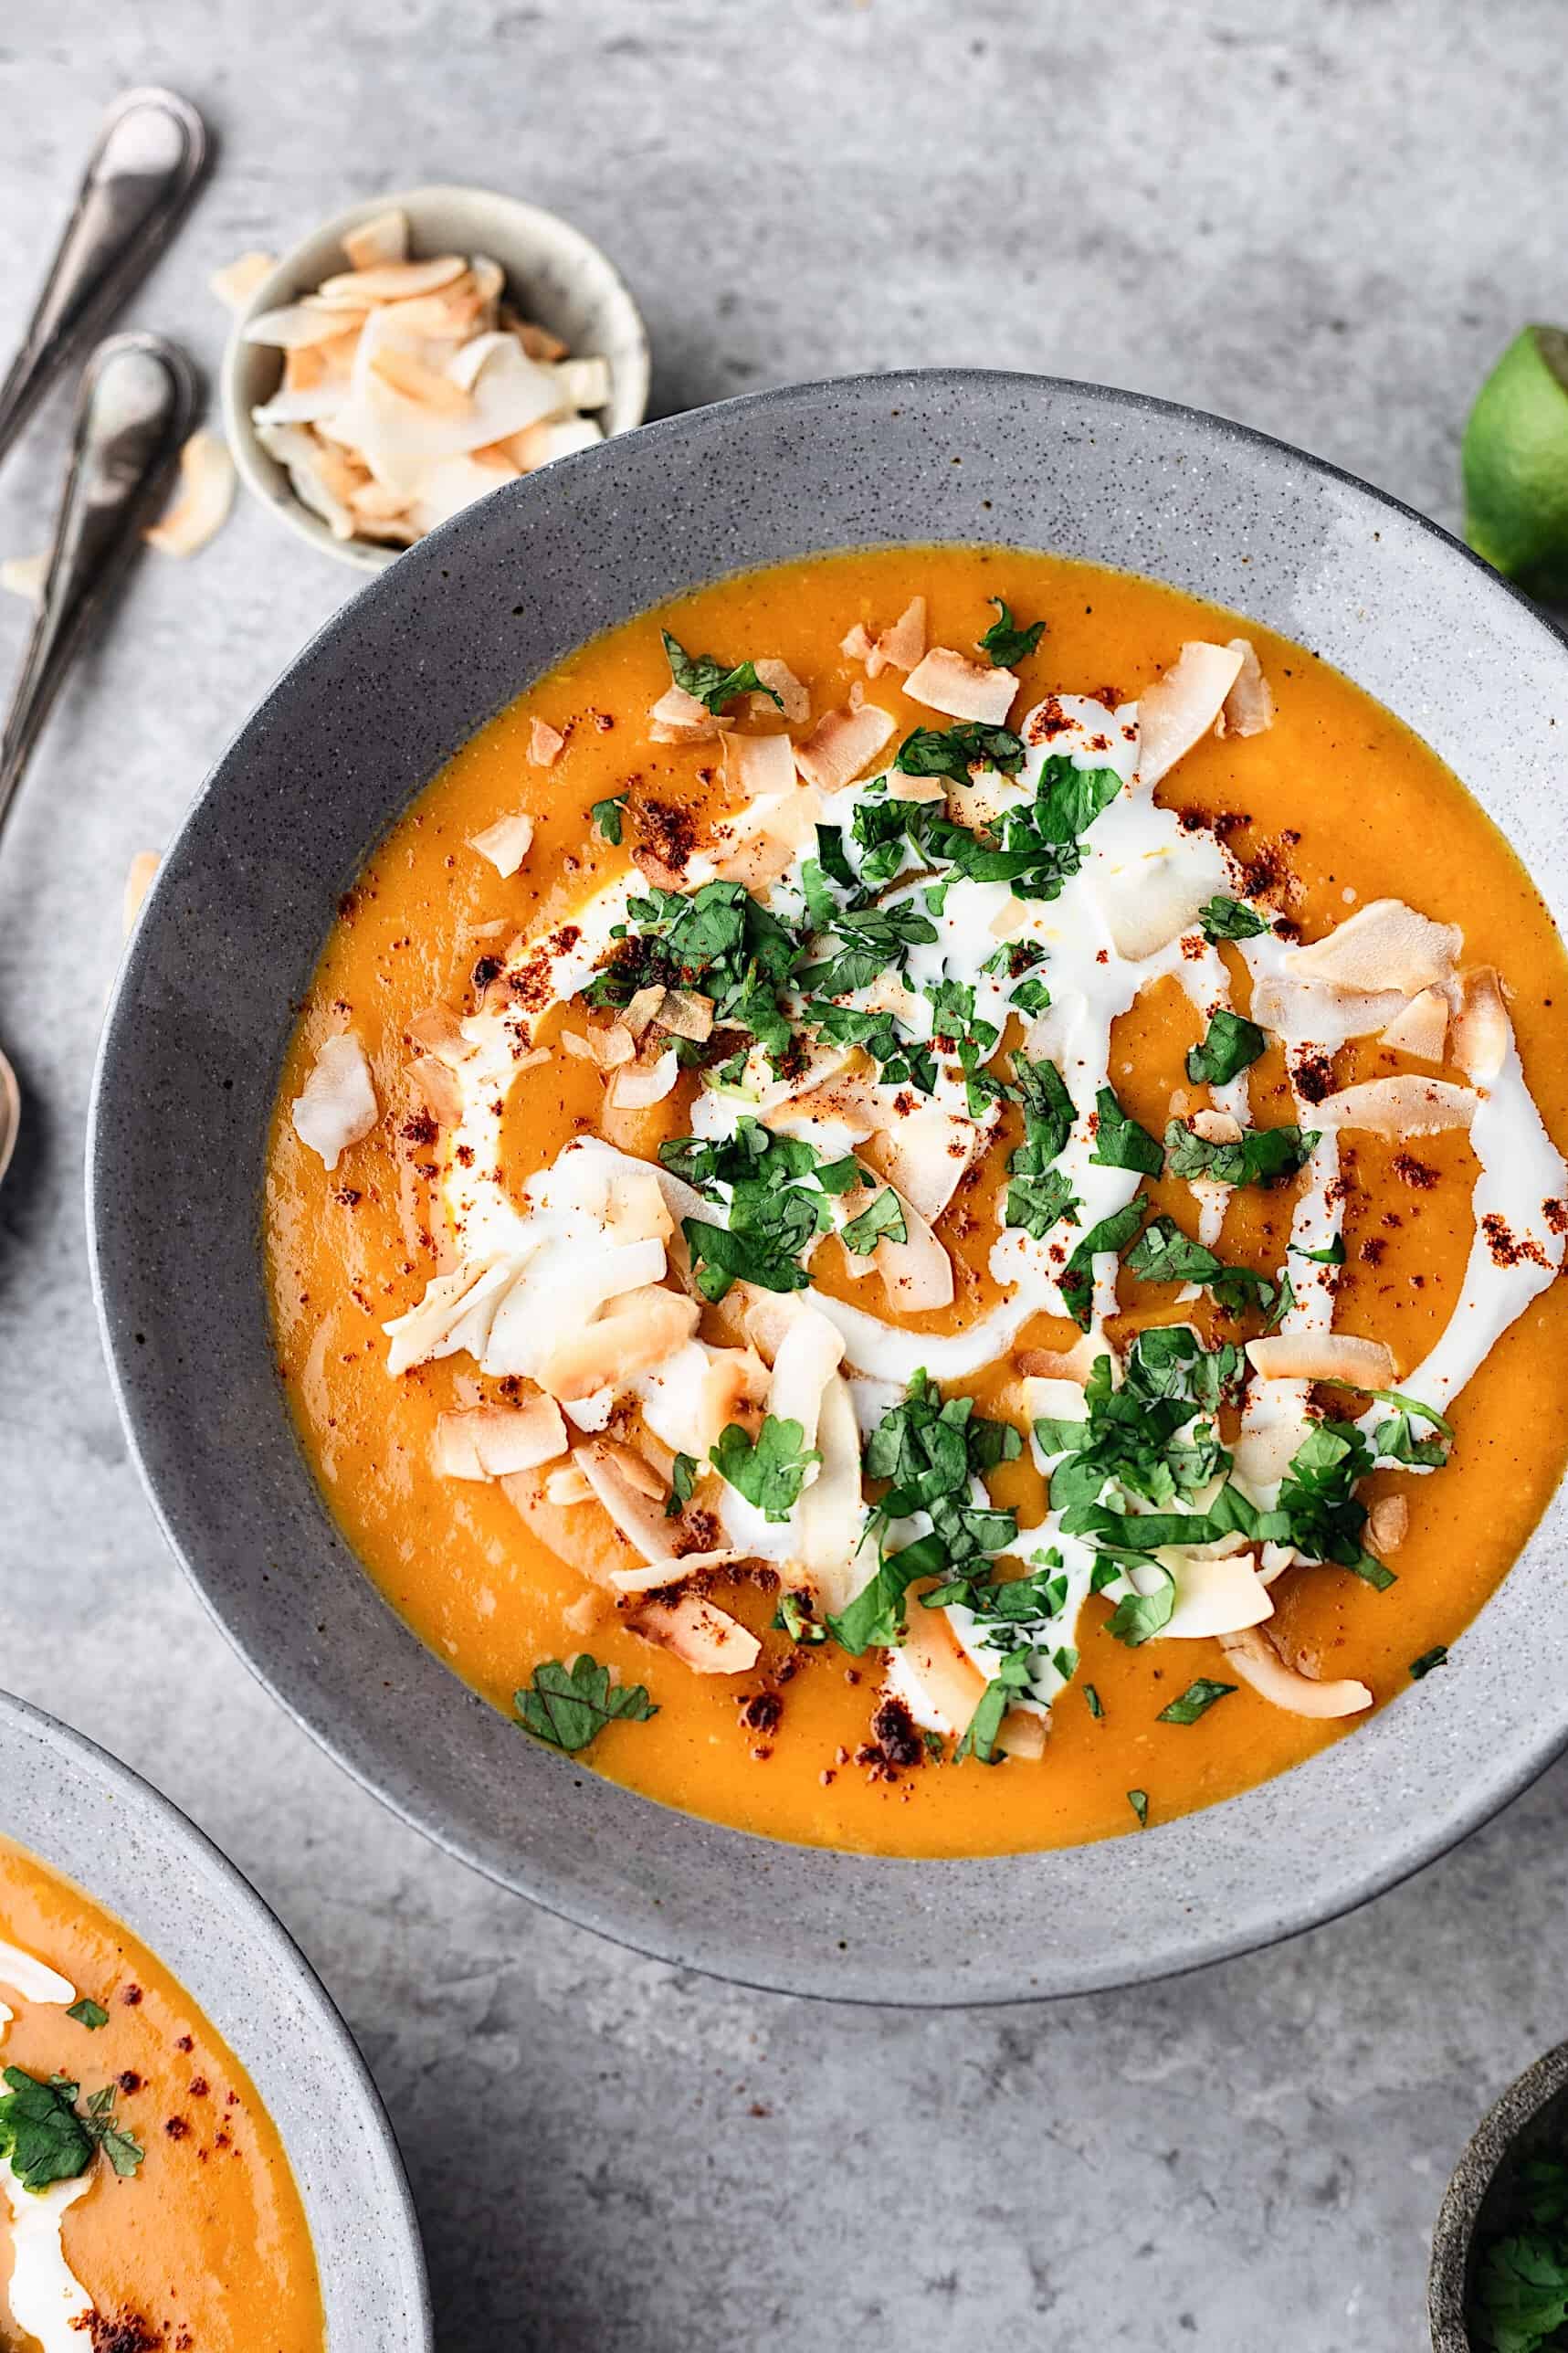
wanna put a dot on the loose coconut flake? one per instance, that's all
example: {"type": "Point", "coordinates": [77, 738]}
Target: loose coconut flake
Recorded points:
{"type": "Point", "coordinates": [950, 682]}
{"type": "Point", "coordinates": [1183, 705]}
{"type": "Point", "coordinates": [204, 497]}
{"type": "Point", "coordinates": [1323, 1356]}
{"type": "Point", "coordinates": [842, 745]}
{"type": "Point", "coordinates": [238, 280]}
{"type": "Point", "coordinates": [1385, 944]}
{"type": "Point", "coordinates": [1483, 1033]}
{"type": "Point", "coordinates": [337, 1106]}
{"type": "Point", "coordinates": [1256, 1661]}
{"type": "Point", "coordinates": [1248, 708]}
{"type": "Point", "coordinates": [1398, 1107]}
{"type": "Point", "coordinates": [1422, 1029]}
{"type": "Point", "coordinates": [545, 744]}
{"type": "Point", "coordinates": [491, 1442]}
{"type": "Point", "coordinates": [506, 843]}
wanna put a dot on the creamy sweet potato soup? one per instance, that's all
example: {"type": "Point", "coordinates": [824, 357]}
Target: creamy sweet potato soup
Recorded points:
{"type": "Point", "coordinates": [146, 2205]}
{"type": "Point", "coordinates": [917, 1204]}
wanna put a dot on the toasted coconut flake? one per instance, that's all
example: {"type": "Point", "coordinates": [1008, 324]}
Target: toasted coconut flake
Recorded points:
{"type": "Point", "coordinates": [916, 1273]}
{"type": "Point", "coordinates": [577, 1046]}
{"type": "Point", "coordinates": [1323, 1356]}
{"type": "Point", "coordinates": [552, 438]}
{"type": "Point", "coordinates": [566, 1486]}
{"type": "Point", "coordinates": [809, 1353]}
{"type": "Point", "coordinates": [686, 1014]}
{"type": "Point", "coordinates": [701, 1637]}
{"type": "Point", "coordinates": [138, 882]}
{"type": "Point", "coordinates": [638, 1086]}
{"type": "Point", "coordinates": [613, 1047]}
{"type": "Point", "coordinates": [536, 341]}
{"type": "Point", "coordinates": [1388, 1525]}
{"type": "Point", "coordinates": [294, 327]}
{"type": "Point", "coordinates": [680, 718]}
{"type": "Point", "coordinates": [638, 1331]}
{"type": "Point", "coordinates": [638, 1517]}
{"type": "Point", "coordinates": [205, 495]}
{"type": "Point", "coordinates": [638, 1472]}
{"type": "Point", "coordinates": [794, 700]}
{"type": "Point", "coordinates": [759, 765]}
{"type": "Point", "coordinates": [1217, 1127]}
{"type": "Point", "coordinates": [655, 1575]}
{"type": "Point", "coordinates": [491, 1442]}
{"type": "Point", "coordinates": [238, 280]}
{"type": "Point", "coordinates": [901, 646]}
{"type": "Point", "coordinates": [1398, 1107]}
{"type": "Point", "coordinates": [438, 1031]}
{"type": "Point", "coordinates": [545, 744]}
{"type": "Point", "coordinates": [829, 1516]}
{"type": "Point", "coordinates": [1421, 1029]}
{"type": "Point", "coordinates": [1182, 705]}
{"type": "Point", "coordinates": [1214, 1596]}
{"type": "Point", "coordinates": [842, 746]}
{"type": "Point", "coordinates": [733, 1389]}
{"type": "Point", "coordinates": [1248, 708]}
{"type": "Point", "coordinates": [506, 843]}
{"type": "Point", "coordinates": [311, 474]}
{"type": "Point", "coordinates": [392, 281]}
{"type": "Point", "coordinates": [414, 381]}
{"type": "Point", "coordinates": [857, 644]}
{"type": "Point", "coordinates": [1385, 944]}
{"type": "Point", "coordinates": [1153, 899]}
{"type": "Point", "coordinates": [1256, 1661]}
{"type": "Point", "coordinates": [925, 788]}
{"type": "Point", "coordinates": [643, 1009]}
{"type": "Point", "coordinates": [1076, 1364]}
{"type": "Point", "coordinates": [436, 1088]}
{"type": "Point", "coordinates": [948, 682]}
{"type": "Point", "coordinates": [375, 242]}
{"type": "Point", "coordinates": [337, 1105]}
{"type": "Point", "coordinates": [1483, 1034]}
{"type": "Point", "coordinates": [925, 1155]}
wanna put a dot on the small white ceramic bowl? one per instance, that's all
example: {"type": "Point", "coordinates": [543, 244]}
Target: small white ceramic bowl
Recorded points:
{"type": "Point", "coordinates": [554, 274]}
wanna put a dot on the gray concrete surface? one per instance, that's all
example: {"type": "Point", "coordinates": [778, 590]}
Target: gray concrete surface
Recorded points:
{"type": "Point", "coordinates": [1324, 218]}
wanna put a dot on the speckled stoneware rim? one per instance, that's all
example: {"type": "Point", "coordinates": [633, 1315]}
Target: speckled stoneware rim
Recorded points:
{"type": "Point", "coordinates": [1493, 2139]}
{"type": "Point", "coordinates": [567, 282]}
{"type": "Point", "coordinates": [90, 1818]}
{"type": "Point", "coordinates": [231, 931]}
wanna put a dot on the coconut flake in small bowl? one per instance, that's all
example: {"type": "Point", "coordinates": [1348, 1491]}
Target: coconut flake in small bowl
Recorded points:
{"type": "Point", "coordinates": [415, 353]}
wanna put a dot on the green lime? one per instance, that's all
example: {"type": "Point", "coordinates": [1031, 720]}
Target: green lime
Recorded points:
{"type": "Point", "coordinates": [1515, 458]}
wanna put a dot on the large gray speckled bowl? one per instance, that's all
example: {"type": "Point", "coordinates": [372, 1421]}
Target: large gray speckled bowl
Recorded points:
{"type": "Point", "coordinates": [238, 914]}
{"type": "Point", "coordinates": [89, 1818]}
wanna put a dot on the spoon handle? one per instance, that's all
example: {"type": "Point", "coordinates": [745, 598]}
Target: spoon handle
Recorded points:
{"type": "Point", "coordinates": [150, 155]}
{"type": "Point", "coordinates": [136, 405]}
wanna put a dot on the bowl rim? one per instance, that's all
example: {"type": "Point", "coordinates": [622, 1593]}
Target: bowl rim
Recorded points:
{"type": "Point", "coordinates": [290, 276]}
{"type": "Point", "coordinates": [1502, 2127]}
{"type": "Point", "coordinates": [394, 2238]}
{"type": "Point", "coordinates": [1196, 1943]}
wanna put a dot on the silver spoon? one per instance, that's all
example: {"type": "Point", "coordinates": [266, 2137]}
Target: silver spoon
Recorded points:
{"type": "Point", "coordinates": [135, 407]}
{"type": "Point", "coordinates": [150, 156]}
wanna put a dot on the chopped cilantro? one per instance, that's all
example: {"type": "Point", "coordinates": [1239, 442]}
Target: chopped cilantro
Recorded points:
{"type": "Point", "coordinates": [1011, 1679]}
{"type": "Point", "coordinates": [1092, 1700]}
{"type": "Point", "coordinates": [721, 1255]}
{"type": "Point", "coordinates": [1038, 1203]}
{"type": "Point", "coordinates": [1230, 1045]}
{"type": "Point", "coordinates": [1227, 919]}
{"type": "Point", "coordinates": [1134, 1434]}
{"type": "Point", "coordinates": [719, 940]}
{"type": "Point", "coordinates": [871, 940]}
{"type": "Point", "coordinates": [1139, 1801]}
{"type": "Point", "coordinates": [1164, 1253]}
{"type": "Point", "coordinates": [882, 1221]}
{"type": "Point", "coordinates": [87, 2012]}
{"type": "Point", "coordinates": [683, 1480]}
{"type": "Point", "coordinates": [1422, 1667]}
{"type": "Point", "coordinates": [1112, 1233]}
{"type": "Point", "coordinates": [769, 1471]}
{"type": "Point", "coordinates": [1120, 1142]}
{"type": "Point", "coordinates": [1137, 1616]}
{"type": "Point", "coordinates": [709, 680]}
{"type": "Point", "coordinates": [1317, 1502]}
{"type": "Point", "coordinates": [45, 2137]}
{"type": "Point", "coordinates": [776, 1207]}
{"type": "Point", "coordinates": [1005, 643]}
{"type": "Point", "coordinates": [793, 1617]}
{"type": "Point", "coordinates": [1519, 2289]}
{"type": "Point", "coordinates": [953, 751]}
{"type": "Point", "coordinates": [1332, 1255]}
{"type": "Point", "coordinates": [607, 814]}
{"type": "Point", "coordinates": [569, 1706]}
{"type": "Point", "coordinates": [1196, 1701]}
{"type": "Point", "coordinates": [1261, 1155]}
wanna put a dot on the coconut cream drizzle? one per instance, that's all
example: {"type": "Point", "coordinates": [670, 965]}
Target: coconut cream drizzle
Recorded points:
{"type": "Point", "coordinates": [47, 2299]}
{"type": "Point", "coordinates": [1126, 921]}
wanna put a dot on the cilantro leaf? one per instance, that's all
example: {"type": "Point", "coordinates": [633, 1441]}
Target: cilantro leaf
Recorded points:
{"type": "Point", "coordinates": [683, 1480]}
{"type": "Point", "coordinates": [1261, 1155]}
{"type": "Point", "coordinates": [570, 1706]}
{"type": "Point", "coordinates": [951, 751]}
{"type": "Point", "coordinates": [1112, 1233]}
{"type": "Point", "coordinates": [1227, 919]}
{"type": "Point", "coordinates": [1011, 1679]}
{"type": "Point", "coordinates": [872, 941]}
{"type": "Point", "coordinates": [45, 2137]}
{"type": "Point", "coordinates": [1164, 1253]}
{"type": "Point", "coordinates": [793, 1617]}
{"type": "Point", "coordinates": [1038, 1203]}
{"type": "Point", "coordinates": [607, 814]}
{"type": "Point", "coordinates": [1049, 1111]}
{"type": "Point", "coordinates": [717, 940]}
{"type": "Point", "coordinates": [720, 1256]}
{"type": "Point", "coordinates": [1120, 1142]}
{"type": "Point", "coordinates": [123, 2151]}
{"type": "Point", "coordinates": [883, 1220]}
{"type": "Point", "coordinates": [1139, 1801]}
{"type": "Point", "coordinates": [709, 680]}
{"type": "Point", "coordinates": [1520, 2295]}
{"type": "Point", "coordinates": [1317, 1500]}
{"type": "Point", "coordinates": [1005, 643]}
{"type": "Point", "coordinates": [1196, 1701]}
{"type": "Point", "coordinates": [1422, 1667]}
{"type": "Point", "coordinates": [1093, 1702]}
{"type": "Point", "coordinates": [874, 1619]}
{"type": "Point", "coordinates": [1137, 1616]}
{"type": "Point", "coordinates": [1333, 1254]}
{"type": "Point", "coordinates": [1231, 1044]}
{"type": "Point", "coordinates": [769, 1471]}
{"type": "Point", "coordinates": [87, 2012]}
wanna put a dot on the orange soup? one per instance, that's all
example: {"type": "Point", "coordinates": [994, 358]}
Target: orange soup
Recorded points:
{"type": "Point", "coordinates": [146, 2204]}
{"type": "Point", "coordinates": [917, 1205]}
